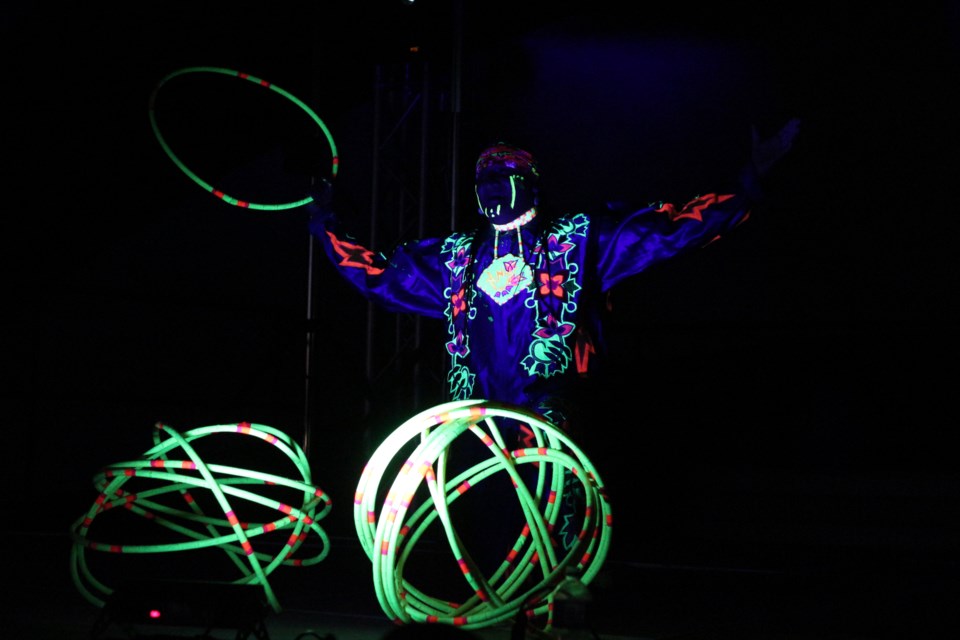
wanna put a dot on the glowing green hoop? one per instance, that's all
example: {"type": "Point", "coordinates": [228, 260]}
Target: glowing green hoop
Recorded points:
{"type": "Point", "coordinates": [263, 83]}
{"type": "Point", "coordinates": [163, 488]}
{"type": "Point", "coordinates": [388, 528]}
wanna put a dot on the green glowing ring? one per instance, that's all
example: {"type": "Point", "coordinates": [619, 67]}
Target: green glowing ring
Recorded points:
{"type": "Point", "coordinates": [389, 522]}
{"type": "Point", "coordinates": [263, 83]}
{"type": "Point", "coordinates": [175, 474]}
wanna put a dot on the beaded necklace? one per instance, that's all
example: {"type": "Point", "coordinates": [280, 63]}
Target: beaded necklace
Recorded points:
{"type": "Point", "coordinates": [516, 223]}
{"type": "Point", "coordinates": [507, 276]}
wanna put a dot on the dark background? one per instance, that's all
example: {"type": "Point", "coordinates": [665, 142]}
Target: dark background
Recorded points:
{"type": "Point", "coordinates": [781, 400]}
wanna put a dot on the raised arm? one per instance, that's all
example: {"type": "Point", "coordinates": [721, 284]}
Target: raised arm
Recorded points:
{"type": "Point", "coordinates": [408, 279]}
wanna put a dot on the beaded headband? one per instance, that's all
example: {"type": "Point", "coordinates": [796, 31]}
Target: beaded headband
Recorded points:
{"type": "Point", "coordinates": [504, 155]}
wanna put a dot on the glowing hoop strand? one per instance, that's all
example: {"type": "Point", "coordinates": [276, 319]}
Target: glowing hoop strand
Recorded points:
{"type": "Point", "coordinates": [244, 204]}
{"type": "Point", "coordinates": [388, 539]}
{"type": "Point", "coordinates": [222, 481]}
{"type": "Point", "coordinates": [477, 611]}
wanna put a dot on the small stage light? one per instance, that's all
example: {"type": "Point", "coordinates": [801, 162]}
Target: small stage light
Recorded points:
{"type": "Point", "coordinates": [141, 605]}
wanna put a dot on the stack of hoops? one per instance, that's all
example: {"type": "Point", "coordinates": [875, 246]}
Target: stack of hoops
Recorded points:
{"type": "Point", "coordinates": [391, 521]}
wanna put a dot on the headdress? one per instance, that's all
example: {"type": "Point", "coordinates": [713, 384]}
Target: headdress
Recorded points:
{"type": "Point", "coordinates": [506, 155]}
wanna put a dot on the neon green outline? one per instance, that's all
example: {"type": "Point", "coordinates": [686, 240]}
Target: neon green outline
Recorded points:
{"type": "Point", "coordinates": [260, 82]}
{"type": "Point", "coordinates": [160, 489]}
{"type": "Point", "coordinates": [388, 534]}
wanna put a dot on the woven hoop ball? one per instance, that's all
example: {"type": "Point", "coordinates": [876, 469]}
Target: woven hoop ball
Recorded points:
{"type": "Point", "coordinates": [391, 521]}
{"type": "Point", "coordinates": [184, 505]}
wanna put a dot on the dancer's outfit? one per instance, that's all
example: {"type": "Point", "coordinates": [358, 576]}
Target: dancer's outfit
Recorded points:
{"type": "Point", "coordinates": [523, 297]}
{"type": "Point", "coordinates": [523, 302]}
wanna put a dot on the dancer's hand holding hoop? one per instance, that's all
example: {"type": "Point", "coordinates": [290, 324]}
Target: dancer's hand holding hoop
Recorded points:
{"type": "Point", "coordinates": [320, 206]}
{"type": "Point", "coordinates": [239, 202]}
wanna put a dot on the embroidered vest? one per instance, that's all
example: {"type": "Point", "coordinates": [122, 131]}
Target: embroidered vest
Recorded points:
{"type": "Point", "coordinates": [554, 293]}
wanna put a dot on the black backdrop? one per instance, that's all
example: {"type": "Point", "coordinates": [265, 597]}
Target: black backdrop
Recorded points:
{"type": "Point", "coordinates": [781, 395]}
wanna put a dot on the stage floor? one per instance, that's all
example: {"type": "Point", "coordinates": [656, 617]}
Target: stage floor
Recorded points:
{"type": "Point", "coordinates": [336, 600]}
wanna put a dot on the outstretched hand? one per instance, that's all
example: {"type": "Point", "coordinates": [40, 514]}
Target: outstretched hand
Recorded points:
{"type": "Point", "coordinates": [766, 152]}
{"type": "Point", "coordinates": [320, 207]}
{"type": "Point", "coordinates": [321, 190]}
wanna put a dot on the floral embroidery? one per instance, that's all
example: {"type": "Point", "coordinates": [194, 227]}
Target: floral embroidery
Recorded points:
{"type": "Point", "coordinates": [554, 296]}
{"type": "Point", "coordinates": [553, 328]}
{"type": "Point", "coordinates": [456, 253]}
{"type": "Point", "coordinates": [458, 303]}
{"type": "Point", "coordinates": [460, 380]}
{"type": "Point", "coordinates": [551, 284]}
{"type": "Point", "coordinates": [547, 356]}
{"type": "Point", "coordinates": [457, 346]}
{"type": "Point", "coordinates": [556, 246]}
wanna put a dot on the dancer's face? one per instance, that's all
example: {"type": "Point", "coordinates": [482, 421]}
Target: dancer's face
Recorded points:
{"type": "Point", "coordinates": [504, 194]}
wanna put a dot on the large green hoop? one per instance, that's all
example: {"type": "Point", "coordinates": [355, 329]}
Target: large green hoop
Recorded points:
{"type": "Point", "coordinates": [263, 83]}
{"type": "Point", "coordinates": [389, 521]}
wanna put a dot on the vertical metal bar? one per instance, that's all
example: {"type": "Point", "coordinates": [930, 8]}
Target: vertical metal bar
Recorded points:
{"type": "Point", "coordinates": [308, 366]}
{"type": "Point", "coordinates": [374, 206]}
{"type": "Point", "coordinates": [418, 381]}
{"type": "Point", "coordinates": [455, 106]}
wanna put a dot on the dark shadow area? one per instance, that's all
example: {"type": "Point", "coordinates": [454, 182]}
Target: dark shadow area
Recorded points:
{"type": "Point", "coordinates": [773, 428]}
